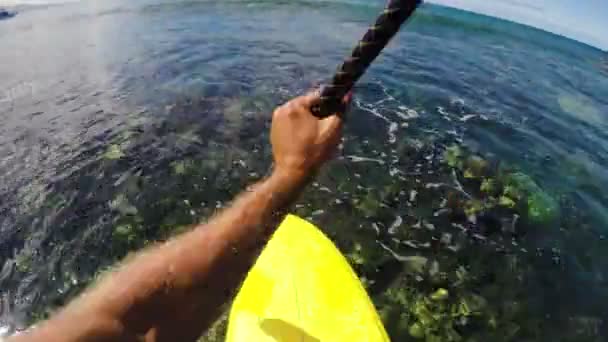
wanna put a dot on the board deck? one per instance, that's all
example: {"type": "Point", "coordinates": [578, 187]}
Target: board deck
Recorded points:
{"type": "Point", "coordinates": [302, 289]}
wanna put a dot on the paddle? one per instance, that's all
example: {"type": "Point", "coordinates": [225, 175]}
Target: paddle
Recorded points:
{"type": "Point", "coordinates": [369, 47]}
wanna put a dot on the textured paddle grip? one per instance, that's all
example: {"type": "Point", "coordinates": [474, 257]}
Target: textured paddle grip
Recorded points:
{"type": "Point", "coordinates": [369, 47]}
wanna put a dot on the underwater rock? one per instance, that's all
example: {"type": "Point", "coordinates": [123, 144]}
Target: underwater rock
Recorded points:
{"type": "Point", "coordinates": [511, 193]}
{"type": "Point", "coordinates": [506, 202]}
{"type": "Point", "coordinates": [416, 330]}
{"type": "Point", "coordinates": [542, 208]}
{"type": "Point", "coordinates": [415, 264]}
{"type": "Point", "coordinates": [355, 257]}
{"type": "Point", "coordinates": [124, 232]}
{"type": "Point", "coordinates": [23, 261]}
{"type": "Point", "coordinates": [233, 115]}
{"type": "Point", "coordinates": [471, 305]}
{"type": "Point", "coordinates": [473, 207]}
{"type": "Point", "coordinates": [369, 205]}
{"type": "Point", "coordinates": [476, 167]}
{"type": "Point", "coordinates": [180, 167]}
{"type": "Point", "coordinates": [520, 182]}
{"type": "Point", "coordinates": [122, 205]}
{"type": "Point", "coordinates": [423, 313]}
{"type": "Point", "coordinates": [453, 156]}
{"type": "Point", "coordinates": [113, 152]}
{"type": "Point", "coordinates": [488, 186]}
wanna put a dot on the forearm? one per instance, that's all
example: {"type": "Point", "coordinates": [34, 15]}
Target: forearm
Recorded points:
{"type": "Point", "coordinates": [161, 291]}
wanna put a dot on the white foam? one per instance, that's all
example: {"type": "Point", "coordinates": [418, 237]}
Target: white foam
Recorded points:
{"type": "Point", "coordinates": [371, 110]}
{"type": "Point", "coordinates": [4, 330]}
{"type": "Point", "coordinates": [407, 113]}
{"type": "Point", "coordinates": [392, 128]}
{"type": "Point", "coordinates": [359, 159]}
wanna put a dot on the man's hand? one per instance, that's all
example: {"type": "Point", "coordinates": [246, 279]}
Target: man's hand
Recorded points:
{"type": "Point", "coordinates": [300, 141]}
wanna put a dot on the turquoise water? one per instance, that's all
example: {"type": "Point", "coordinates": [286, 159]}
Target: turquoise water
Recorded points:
{"type": "Point", "coordinates": [124, 122]}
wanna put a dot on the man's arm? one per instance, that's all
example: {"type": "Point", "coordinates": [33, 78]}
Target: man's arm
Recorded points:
{"type": "Point", "coordinates": [174, 291]}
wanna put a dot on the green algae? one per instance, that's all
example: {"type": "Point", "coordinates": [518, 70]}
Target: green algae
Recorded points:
{"type": "Point", "coordinates": [114, 152]}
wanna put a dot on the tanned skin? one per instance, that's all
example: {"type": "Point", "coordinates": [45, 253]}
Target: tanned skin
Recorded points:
{"type": "Point", "coordinates": [174, 291]}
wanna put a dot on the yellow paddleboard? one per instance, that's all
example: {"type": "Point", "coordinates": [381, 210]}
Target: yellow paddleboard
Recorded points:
{"type": "Point", "coordinates": [302, 289]}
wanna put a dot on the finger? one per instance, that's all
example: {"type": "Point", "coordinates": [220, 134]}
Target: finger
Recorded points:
{"type": "Point", "coordinates": [310, 99]}
{"type": "Point", "coordinates": [330, 128]}
{"type": "Point", "coordinates": [346, 100]}
{"type": "Point", "coordinates": [345, 105]}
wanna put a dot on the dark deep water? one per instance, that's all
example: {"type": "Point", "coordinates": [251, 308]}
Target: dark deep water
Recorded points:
{"type": "Point", "coordinates": [122, 122]}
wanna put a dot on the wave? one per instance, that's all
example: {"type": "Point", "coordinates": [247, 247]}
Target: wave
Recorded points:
{"type": "Point", "coordinates": [433, 16]}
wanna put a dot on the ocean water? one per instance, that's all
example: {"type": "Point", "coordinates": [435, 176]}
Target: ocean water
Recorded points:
{"type": "Point", "coordinates": [122, 122]}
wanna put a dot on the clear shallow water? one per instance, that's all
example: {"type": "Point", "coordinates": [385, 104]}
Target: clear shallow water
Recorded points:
{"type": "Point", "coordinates": [124, 120]}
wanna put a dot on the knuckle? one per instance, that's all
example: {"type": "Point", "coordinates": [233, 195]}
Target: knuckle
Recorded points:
{"type": "Point", "coordinates": [297, 101]}
{"type": "Point", "coordinates": [280, 110]}
{"type": "Point", "coordinates": [276, 113]}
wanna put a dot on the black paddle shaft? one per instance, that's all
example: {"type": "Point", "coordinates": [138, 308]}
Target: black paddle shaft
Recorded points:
{"type": "Point", "coordinates": [374, 40]}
